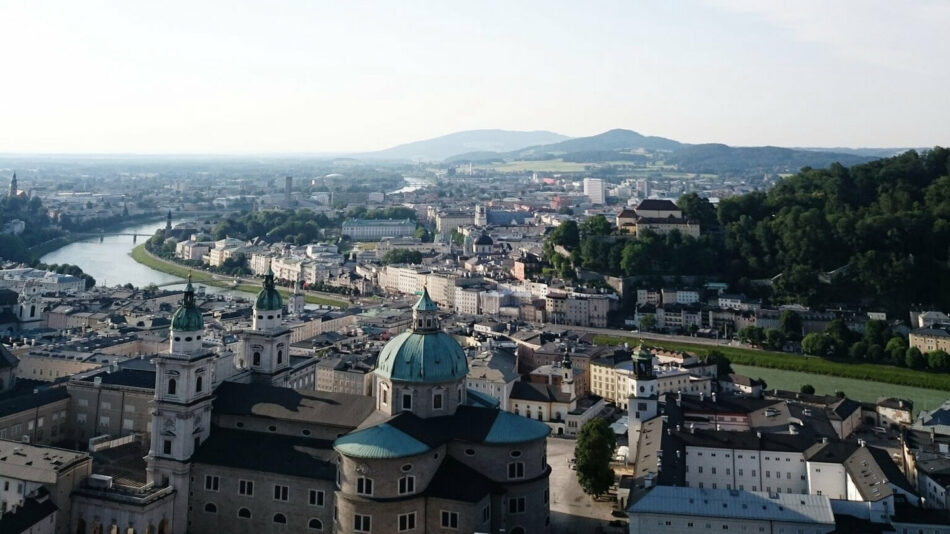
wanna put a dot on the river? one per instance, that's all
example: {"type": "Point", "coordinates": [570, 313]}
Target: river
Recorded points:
{"type": "Point", "coordinates": [110, 262]}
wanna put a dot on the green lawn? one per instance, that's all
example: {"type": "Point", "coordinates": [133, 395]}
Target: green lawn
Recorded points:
{"type": "Point", "coordinates": [862, 390]}
{"type": "Point", "coordinates": [886, 374]}
{"type": "Point", "coordinates": [140, 255]}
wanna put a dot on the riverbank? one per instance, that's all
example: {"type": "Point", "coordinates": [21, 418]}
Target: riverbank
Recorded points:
{"type": "Point", "coordinates": [808, 365]}
{"type": "Point", "coordinates": [143, 256]}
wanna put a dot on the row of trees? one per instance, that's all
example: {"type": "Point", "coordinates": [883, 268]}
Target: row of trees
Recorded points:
{"type": "Point", "coordinates": [66, 268]}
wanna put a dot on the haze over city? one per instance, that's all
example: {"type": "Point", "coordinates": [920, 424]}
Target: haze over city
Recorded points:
{"type": "Point", "coordinates": [290, 77]}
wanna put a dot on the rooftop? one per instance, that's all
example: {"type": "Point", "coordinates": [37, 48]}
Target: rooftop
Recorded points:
{"type": "Point", "coordinates": [336, 409]}
{"type": "Point", "coordinates": [34, 463]}
{"type": "Point", "coordinates": [735, 504]}
{"type": "Point", "coordinates": [270, 453]}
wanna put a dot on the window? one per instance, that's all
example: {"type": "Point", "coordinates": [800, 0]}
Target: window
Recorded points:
{"type": "Point", "coordinates": [407, 521]}
{"type": "Point", "coordinates": [515, 470]}
{"type": "Point", "coordinates": [198, 385]}
{"type": "Point", "coordinates": [516, 505]}
{"type": "Point", "coordinates": [486, 513]}
{"type": "Point", "coordinates": [280, 356]}
{"type": "Point", "coordinates": [167, 447]}
{"type": "Point", "coordinates": [364, 486]}
{"type": "Point", "coordinates": [172, 386]}
{"type": "Point", "coordinates": [450, 519]}
{"type": "Point", "coordinates": [211, 508]}
{"type": "Point", "coordinates": [547, 495]}
{"type": "Point", "coordinates": [315, 524]}
{"type": "Point", "coordinates": [316, 498]}
{"type": "Point", "coordinates": [384, 393]}
{"type": "Point", "coordinates": [211, 483]}
{"type": "Point", "coordinates": [256, 360]}
{"type": "Point", "coordinates": [437, 401]}
{"type": "Point", "coordinates": [407, 401]}
{"type": "Point", "coordinates": [407, 484]}
{"type": "Point", "coordinates": [362, 523]}
{"type": "Point", "coordinates": [281, 493]}
{"type": "Point", "coordinates": [244, 513]}
{"type": "Point", "coordinates": [280, 519]}
{"type": "Point", "coordinates": [246, 488]}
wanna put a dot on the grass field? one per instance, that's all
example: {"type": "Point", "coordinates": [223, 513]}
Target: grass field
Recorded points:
{"type": "Point", "coordinates": [140, 255]}
{"type": "Point", "coordinates": [886, 374]}
{"type": "Point", "coordinates": [862, 390]}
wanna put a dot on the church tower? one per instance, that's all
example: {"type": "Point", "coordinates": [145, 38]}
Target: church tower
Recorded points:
{"type": "Point", "coordinates": [181, 409]}
{"type": "Point", "coordinates": [643, 399]}
{"type": "Point", "coordinates": [266, 346]}
{"type": "Point", "coordinates": [13, 186]}
{"type": "Point", "coordinates": [296, 303]}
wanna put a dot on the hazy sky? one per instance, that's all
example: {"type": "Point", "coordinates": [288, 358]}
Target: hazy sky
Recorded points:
{"type": "Point", "coordinates": [319, 76]}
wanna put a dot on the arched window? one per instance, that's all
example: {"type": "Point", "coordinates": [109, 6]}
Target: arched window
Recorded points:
{"type": "Point", "coordinates": [211, 508]}
{"type": "Point", "coordinates": [244, 513]}
{"type": "Point", "coordinates": [198, 384]}
{"type": "Point", "coordinates": [33, 310]}
{"type": "Point", "coordinates": [257, 358]}
{"type": "Point", "coordinates": [172, 386]}
{"type": "Point", "coordinates": [315, 524]}
{"type": "Point", "coordinates": [280, 356]}
{"type": "Point", "coordinates": [280, 518]}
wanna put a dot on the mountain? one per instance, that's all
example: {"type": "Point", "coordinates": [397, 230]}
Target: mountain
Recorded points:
{"type": "Point", "coordinates": [617, 139]}
{"type": "Point", "coordinates": [723, 159]}
{"type": "Point", "coordinates": [439, 148]}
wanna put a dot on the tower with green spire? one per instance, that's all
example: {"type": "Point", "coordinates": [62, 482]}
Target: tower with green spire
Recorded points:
{"type": "Point", "coordinates": [181, 408]}
{"type": "Point", "coordinates": [266, 346]}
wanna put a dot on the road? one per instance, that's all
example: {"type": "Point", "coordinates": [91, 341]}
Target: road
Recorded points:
{"type": "Point", "coordinates": [572, 510]}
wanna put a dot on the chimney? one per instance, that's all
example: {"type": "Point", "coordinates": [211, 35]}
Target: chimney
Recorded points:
{"type": "Point", "coordinates": [702, 396]}
{"type": "Point", "coordinates": [713, 396]}
{"type": "Point", "coordinates": [824, 439]}
{"type": "Point", "coordinates": [862, 443]}
{"type": "Point", "coordinates": [692, 428]}
{"type": "Point", "coordinates": [97, 381]}
{"type": "Point", "coordinates": [792, 429]}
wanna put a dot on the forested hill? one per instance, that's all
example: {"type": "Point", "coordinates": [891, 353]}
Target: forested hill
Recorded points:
{"type": "Point", "coordinates": [878, 232]}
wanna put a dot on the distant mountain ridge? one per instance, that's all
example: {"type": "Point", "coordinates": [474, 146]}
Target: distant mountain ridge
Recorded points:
{"type": "Point", "coordinates": [484, 141]}
{"type": "Point", "coordinates": [628, 145]}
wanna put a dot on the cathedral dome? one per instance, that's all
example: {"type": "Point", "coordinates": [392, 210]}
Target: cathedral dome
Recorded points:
{"type": "Point", "coordinates": [187, 318]}
{"type": "Point", "coordinates": [484, 239]}
{"type": "Point", "coordinates": [425, 353]}
{"type": "Point", "coordinates": [268, 298]}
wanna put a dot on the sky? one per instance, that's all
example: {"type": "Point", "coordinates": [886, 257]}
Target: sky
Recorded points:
{"type": "Point", "coordinates": [251, 77]}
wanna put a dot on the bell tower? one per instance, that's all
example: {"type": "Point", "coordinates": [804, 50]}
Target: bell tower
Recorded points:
{"type": "Point", "coordinates": [181, 408]}
{"type": "Point", "coordinates": [643, 399]}
{"type": "Point", "coordinates": [266, 345]}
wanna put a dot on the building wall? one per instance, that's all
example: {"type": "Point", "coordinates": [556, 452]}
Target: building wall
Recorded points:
{"type": "Point", "coordinates": [928, 342]}
{"type": "Point", "coordinates": [108, 409]}
{"type": "Point", "coordinates": [686, 524]}
{"type": "Point", "coordinates": [48, 368]}
{"type": "Point", "coordinates": [263, 506]}
{"type": "Point", "coordinates": [44, 425]}
{"type": "Point", "coordinates": [749, 470]}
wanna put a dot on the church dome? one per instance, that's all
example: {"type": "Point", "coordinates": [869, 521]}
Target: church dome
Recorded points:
{"type": "Point", "coordinates": [187, 318]}
{"type": "Point", "coordinates": [425, 353]}
{"type": "Point", "coordinates": [484, 239]}
{"type": "Point", "coordinates": [268, 298]}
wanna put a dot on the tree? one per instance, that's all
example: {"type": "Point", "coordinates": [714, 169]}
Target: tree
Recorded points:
{"type": "Point", "coordinates": [458, 239]}
{"type": "Point", "coordinates": [594, 450]}
{"type": "Point", "coordinates": [938, 360]}
{"type": "Point", "coordinates": [402, 255]}
{"type": "Point", "coordinates": [597, 225]}
{"type": "Point", "coordinates": [647, 322]}
{"type": "Point", "coordinates": [817, 344]}
{"type": "Point", "coordinates": [808, 389]}
{"type": "Point", "coordinates": [723, 365]}
{"type": "Point", "coordinates": [751, 334]}
{"type": "Point", "coordinates": [774, 339]}
{"type": "Point", "coordinates": [697, 208]}
{"type": "Point", "coordinates": [914, 358]}
{"type": "Point", "coordinates": [858, 351]}
{"type": "Point", "coordinates": [896, 349]}
{"type": "Point", "coordinates": [790, 323]}
{"type": "Point", "coordinates": [423, 234]}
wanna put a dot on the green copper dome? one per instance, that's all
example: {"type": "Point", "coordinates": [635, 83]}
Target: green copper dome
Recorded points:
{"type": "Point", "coordinates": [268, 298]}
{"type": "Point", "coordinates": [187, 318]}
{"type": "Point", "coordinates": [422, 357]}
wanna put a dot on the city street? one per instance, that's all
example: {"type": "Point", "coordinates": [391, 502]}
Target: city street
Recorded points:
{"type": "Point", "coordinates": [573, 511]}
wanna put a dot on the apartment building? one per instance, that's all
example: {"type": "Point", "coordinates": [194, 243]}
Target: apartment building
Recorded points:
{"type": "Point", "coordinates": [377, 229]}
